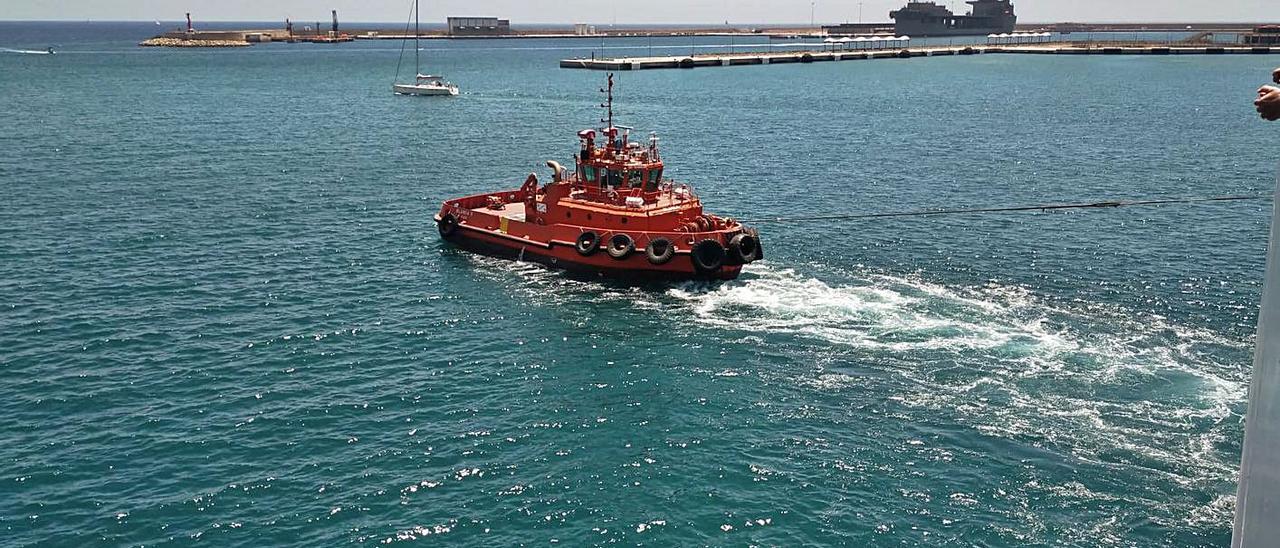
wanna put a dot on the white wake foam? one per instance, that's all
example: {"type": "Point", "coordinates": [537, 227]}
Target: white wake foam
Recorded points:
{"type": "Point", "coordinates": [880, 313]}
{"type": "Point", "coordinates": [1094, 381]}
{"type": "Point", "coordinates": [1100, 383]}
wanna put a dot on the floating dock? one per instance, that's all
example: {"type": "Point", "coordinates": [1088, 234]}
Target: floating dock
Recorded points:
{"type": "Point", "coordinates": [812, 56]}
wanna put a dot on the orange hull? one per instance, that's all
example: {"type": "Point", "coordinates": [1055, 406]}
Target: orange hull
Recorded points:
{"type": "Point", "coordinates": [503, 233]}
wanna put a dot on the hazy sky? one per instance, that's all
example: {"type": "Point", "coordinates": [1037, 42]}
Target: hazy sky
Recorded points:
{"type": "Point", "coordinates": [603, 12]}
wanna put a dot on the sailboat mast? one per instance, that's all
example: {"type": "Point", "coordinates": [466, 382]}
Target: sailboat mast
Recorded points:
{"type": "Point", "coordinates": [417, 67]}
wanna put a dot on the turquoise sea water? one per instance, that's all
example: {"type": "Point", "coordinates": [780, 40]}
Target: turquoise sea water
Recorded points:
{"type": "Point", "coordinates": [226, 318]}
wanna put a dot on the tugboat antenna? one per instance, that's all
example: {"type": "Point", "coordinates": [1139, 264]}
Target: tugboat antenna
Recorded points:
{"type": "Point", "coordinates": [608, 106]}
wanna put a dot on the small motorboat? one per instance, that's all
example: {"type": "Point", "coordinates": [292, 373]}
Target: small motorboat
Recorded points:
{"type": "Point", "coordinates": [46, 51]}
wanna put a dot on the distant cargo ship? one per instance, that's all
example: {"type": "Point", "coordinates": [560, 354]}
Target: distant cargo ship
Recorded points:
{"type": "Point", "coordinates": [930, 19]}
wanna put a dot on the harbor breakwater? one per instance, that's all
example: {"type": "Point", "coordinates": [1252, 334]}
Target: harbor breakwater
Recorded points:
{"type": "Point", "coordinates": [161, 41]}
{"type": "Point", "coordinates": [236, 38]}
{"type": "Point", "coordinates": [833, 54]}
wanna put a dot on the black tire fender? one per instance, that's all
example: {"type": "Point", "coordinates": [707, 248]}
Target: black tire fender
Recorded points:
{"type": "Point", "coordinates": [588, 243]}
{"type": "Point", "coordinates": [621, 246]}
{"type": "Point", "coordinates": [447, 225]}
{"type": "Point", "coordinates": [745, 247]}
{"type": "Point", "coordinates": [660, 251]}
{"type": "Point", "coordinates": [707, 256]}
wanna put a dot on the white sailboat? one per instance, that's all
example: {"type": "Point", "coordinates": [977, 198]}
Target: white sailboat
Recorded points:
{"type": "Point", "coordinates": [423, 84]}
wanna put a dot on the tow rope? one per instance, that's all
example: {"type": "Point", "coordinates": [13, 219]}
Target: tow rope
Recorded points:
{"type": "Point", "coordinates": [1042, 208]}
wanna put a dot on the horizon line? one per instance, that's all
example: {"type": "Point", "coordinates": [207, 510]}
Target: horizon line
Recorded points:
{"type": "Point", "coordinates": [659, 25]}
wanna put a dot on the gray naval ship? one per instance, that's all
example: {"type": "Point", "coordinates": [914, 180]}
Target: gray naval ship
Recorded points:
{"type": "Point", "coordinates": [930, 19]}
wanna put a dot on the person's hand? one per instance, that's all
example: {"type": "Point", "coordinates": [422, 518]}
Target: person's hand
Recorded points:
{"type": "Point", "coordinates": [1268, 103]}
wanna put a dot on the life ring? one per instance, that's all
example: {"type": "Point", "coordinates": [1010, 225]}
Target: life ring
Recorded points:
{"type": "Point", "coordinates": [447, 225]}
{"type": "Point", "coordinates": [707, 256]}
{"type": "Point", "coordinates": [621, 246]}
{"type": "Point", "coordinates": [588, 243]}
{"type": "Point", "coordinates": [745, 247]}
{"type": "Point", "coordinates": [659, 251]}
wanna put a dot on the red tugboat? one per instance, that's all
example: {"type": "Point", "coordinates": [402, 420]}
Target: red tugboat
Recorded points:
{"type": "Point", "coordinates": [614, 215]}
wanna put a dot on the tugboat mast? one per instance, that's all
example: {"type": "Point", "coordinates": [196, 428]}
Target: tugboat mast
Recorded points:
{"type": "Point", "coordinates": [608, 106]}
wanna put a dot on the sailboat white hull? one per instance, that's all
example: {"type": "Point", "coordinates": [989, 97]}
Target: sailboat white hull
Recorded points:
{"type": "Point", "coordinates": [424, 89]}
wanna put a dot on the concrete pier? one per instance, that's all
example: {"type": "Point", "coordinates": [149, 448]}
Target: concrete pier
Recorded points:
{"type": "Point", "coordinates": [812, 56]}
